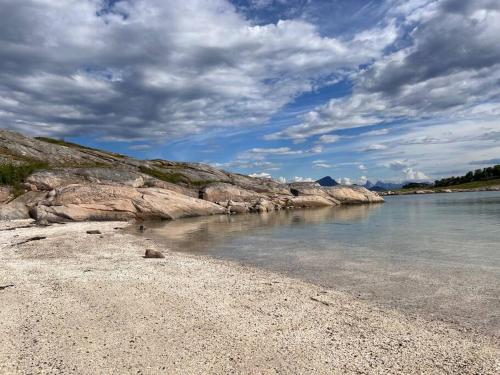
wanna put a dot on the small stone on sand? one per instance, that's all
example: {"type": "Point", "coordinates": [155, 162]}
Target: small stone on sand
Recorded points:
{"type": "Point", "coordinates": [153, 254]}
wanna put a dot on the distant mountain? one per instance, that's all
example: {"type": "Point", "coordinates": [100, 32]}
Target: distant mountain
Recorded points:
{"type": "Point", "coordinates": [368, 184]}
{"type": "Point", "coordinates": [327, 181]}
{"type": "Point", "coordinates": [384, 186]}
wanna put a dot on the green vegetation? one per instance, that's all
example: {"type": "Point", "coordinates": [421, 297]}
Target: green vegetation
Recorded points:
{"type": "Point", "coordinates": [417, 185]}
{"type": "Point", "coordinates": [490, 173]}
{"type": "Point", "coordinates": [164, 176]}
{"type": "Point", "coordinates": [465, 186]}
{"type": "Point", "coordinates": [474, 185]}
{"type": "Point", "coordinates": [14, 175]}
{"type": "Point", "coordinates": [61, 142]}
{"type": "Point", "coordinates": [202, 182]}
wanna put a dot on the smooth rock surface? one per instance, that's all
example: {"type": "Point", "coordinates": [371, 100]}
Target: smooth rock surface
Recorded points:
{"type": "Point", "coordinates": [14, 211]}
{"type": "Point", "coordinates": [220, 192]}
{"type": "Point", "coordinates": [112, 202]}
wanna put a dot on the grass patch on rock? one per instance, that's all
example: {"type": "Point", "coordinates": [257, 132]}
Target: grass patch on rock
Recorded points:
{"type": "Point", "coordinates": [174, 178]}
{"type": "Point", "coordinates": [60, 142]}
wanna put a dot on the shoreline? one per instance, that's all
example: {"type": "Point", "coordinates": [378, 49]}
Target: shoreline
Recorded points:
{"type": "Point", "coordinates": [111, 309]}
{"type": "Point", "coordinates": [436, 191]}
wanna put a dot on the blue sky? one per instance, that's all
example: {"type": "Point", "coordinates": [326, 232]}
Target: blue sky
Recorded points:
{"type": "Point", "coordinates": [381, 90]}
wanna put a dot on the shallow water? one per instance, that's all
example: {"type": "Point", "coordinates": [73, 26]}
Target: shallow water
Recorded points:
{"type": "Point", "coordinates": [433, 255]}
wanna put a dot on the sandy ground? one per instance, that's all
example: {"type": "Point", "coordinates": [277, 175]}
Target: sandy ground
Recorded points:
{"type": "Point", "coordinates": [90, 304]}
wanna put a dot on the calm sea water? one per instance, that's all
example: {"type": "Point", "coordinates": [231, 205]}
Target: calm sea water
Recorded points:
{"type": "Point", "coordinates": [436, 256]}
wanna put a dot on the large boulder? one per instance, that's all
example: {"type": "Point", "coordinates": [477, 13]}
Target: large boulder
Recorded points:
{"type": "Point", "coordinates": [223, 192]}
{"type": "Point", "coordinates": [5, 194]}
{"type": "Point", "coordinates": [353, 194]}
{"type": "Point", "coordinates": [310, 201]}
{"type": "Point", "coordinates": [14, 211]}
{"type": "Point", "coordinates": [153, 182]}
{"type": "Point", "coordinates": [304, 190]}
{"type": "Point", "coordinates": [112, 202]}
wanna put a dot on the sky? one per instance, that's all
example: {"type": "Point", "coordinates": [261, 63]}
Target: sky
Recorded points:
{"type": "Point", "coordinates": [391, 90]}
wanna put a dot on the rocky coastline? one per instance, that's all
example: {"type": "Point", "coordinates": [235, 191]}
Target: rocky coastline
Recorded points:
{"type": "Point", "coordinates": [70, 182]}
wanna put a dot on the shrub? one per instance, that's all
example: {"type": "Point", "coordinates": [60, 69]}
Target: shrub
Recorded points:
{"type": "Point", "coordinates": [14, 175]}
{"type": "Point", "coordinates": [11, 174]}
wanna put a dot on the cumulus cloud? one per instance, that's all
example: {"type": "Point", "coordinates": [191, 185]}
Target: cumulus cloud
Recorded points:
{"type": "Point", "coordinates": [397, 165]}
{"type": "Point", "coordinates": [260, 175]}
{"type": "Point", "coordinates": [303, 179]}
{"type": "Point", "coordinates": [362, 167]}
{"type": "Point", "coordinates": [344, 181]}
{"type": "Point", "coordinates": [450, 68]}
{"type": "Point", "coordinates": [158, 69]}
{"type": "Point", "coordinates": [413, 175]}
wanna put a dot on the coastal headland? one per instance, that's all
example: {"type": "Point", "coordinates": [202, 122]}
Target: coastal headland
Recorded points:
{"type": "Point", "coordinates": [55, 181]}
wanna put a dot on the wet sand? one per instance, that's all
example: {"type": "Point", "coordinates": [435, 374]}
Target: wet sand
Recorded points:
{"type": "Point", "coordinates": [90, 303]}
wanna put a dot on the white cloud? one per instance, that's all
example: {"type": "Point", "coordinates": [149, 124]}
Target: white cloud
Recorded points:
{"type": "Point", "coordinates": [260, 175]}
{"type": "Point", "coordinates": [275, 151]}
{"type": "Point", "coordinates": [376, 132]}
{"type": "Point", "coordinates": [317, 149]}
{"type": "Point", "coordinates": [344, 181]}
{"type": "Point", "coordinates": [303, 179]}
{"type": "Point", "coordinates": [158, 69]}
{"type": "Point", "coordinates": [375, 147]}
{"type": "Point", "coordinates": [412, 175]}
{"type": "Point", "coordinates": [321, 164]}
{"type": "Point", "coordinates": [397, 165]}
{"type": "Point", "coordinates": [362, 167]}
{"type": "Point", "coordinates": [458, 82]}
{"type": "Point", "coordinates": [328, 138]}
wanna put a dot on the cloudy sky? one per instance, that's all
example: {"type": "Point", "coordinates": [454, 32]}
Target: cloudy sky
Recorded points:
{"type": "Point", "coordinates": [355, 89]}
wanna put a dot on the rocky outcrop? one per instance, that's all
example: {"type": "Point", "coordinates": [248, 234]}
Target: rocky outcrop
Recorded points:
{"type": "Point", "coordinates": [223, 192]}
{"type": "Point", "coordinates": [5, 194]}
{"type": "Point", "coordinates": [14, 211]}
{"type": "Point", "coordinates": [51, 179]}
{"type": "Point", "coordinates": [354, 194]}
{"type": "Point", "coordinates": [111, 202]}
{"type": "Point", "coordinates": [338, 194]}
{"type": "Point", "coordinates": [305, 201]}
{"type": "Point", "coordinates": [76, 183]}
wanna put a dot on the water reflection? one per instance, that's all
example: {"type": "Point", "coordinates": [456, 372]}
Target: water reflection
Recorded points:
{"type": "Point", "coordinates": [217, 228]}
